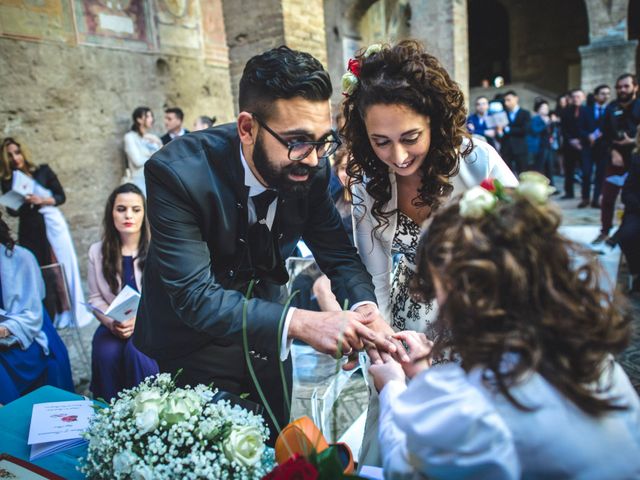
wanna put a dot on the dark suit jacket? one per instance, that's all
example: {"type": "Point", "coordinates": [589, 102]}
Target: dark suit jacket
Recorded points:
{"type": "Point", "coordinates": [515, 141]}
{"type": "Point", "coordinates": [193, 290]}
{"type": "Point", "coordinates": [32, 233]}
{"type": "Point", "coordinates": [166, 138]}
{"type": "Point", "coordinates": [577, 126]}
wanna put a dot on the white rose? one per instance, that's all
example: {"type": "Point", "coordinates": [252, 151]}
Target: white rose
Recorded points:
{"type": "Point", "coordinates": [181, 405]}
{"type": "Point", "coordinates": [372, 49]}
{"type": "Point", "coordinates": [534, 187]}
{"type": "Point", "coordinates": [123, 461]}
{"type": "Point", "coordinates": [147, 420]}
{"type": "Point", "coordinates": [244, 445]}
{"type": "Point", "coordinates": [142, 472]}
{"type": "Point", "coordinates": [476, 201]}
{"type": "Point", "coordinates": [148, 399]}
{"type": "Point", "coordinates": [349, 83]}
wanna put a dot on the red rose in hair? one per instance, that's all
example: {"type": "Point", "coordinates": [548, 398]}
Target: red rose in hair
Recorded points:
{"type": "Point", "coordinates": [296, 468]}
{"type": "Point", "coordinates": [489, 184]}
{"type": "Point", "coordinates": [354, 67]}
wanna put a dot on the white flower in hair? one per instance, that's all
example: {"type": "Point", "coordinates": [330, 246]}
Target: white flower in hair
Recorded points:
{"type": "Point", "coordinates": [372, 50]}
{"type": "Point", "coordinates": [349, 83]}
{"type": "Point", "coordinates": [476, 201]}
{"type": "Point", "coordinates": [534, 187]}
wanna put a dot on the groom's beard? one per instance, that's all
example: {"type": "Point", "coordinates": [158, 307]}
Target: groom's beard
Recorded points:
{"type": "Point", "coordinates": [278, 178]}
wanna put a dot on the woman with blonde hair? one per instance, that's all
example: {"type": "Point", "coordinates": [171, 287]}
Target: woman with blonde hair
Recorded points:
{"type": "Point", "coordinates": [42, 227]}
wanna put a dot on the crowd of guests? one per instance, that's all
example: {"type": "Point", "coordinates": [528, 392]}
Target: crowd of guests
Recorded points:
{"type": "Point", "coordinates": [483, 321]}
{"type": "Point", "coordinates": [588, 140]}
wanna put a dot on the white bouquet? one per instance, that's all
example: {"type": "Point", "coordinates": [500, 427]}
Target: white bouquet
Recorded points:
{"type": "Point", "coordinates": [158, 431]}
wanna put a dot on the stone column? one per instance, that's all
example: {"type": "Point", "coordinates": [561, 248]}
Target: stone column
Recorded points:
{"type": "Point", "coordinates": [443, 28]}
{"type": "Point", "coordinates": [605, 58]}
{"type": "Point", "coordinates": [252, 29]}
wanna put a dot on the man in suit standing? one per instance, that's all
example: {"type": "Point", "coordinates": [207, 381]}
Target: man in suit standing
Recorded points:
{"type": "Point", "coordinates": [477, 122]}
{"type": "Point", "coordinates": [227, 206]}
{"type": "Point", "coordinates": [575, 129]}
{"type": "Point", "coordinates": [173, 119]}
{"type": "Point", "coordinates": [514, 136]}
{"type": "Point", "coordinates": [599, 151]}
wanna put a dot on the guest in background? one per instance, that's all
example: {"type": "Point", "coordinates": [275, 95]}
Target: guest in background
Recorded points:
{"type": "Point", "coordinates": [628, 235]}
{"type": "Point", "coordinates": [114, 262]}
{"type": "Point", "coordinates": [31, 352]}
{"type": "Point", "coordinates": [539, 140]}
{"type": "Point", "coordinates": [514, 136]}
{"type": "Point", "coordinates": [173, 119]}
{"type": "Point", "coordinates": [203, 122]}
{"type": "Point", "coordinates": [599, 150]}
{"type": "Point", "coordinates": [537, 393]}
{"type": "Point", "coordinates": [139, 145]}
{"type": "Point", "coordinates": [477, 122]}
{"type": "Point", "coordinates": [621, 120]}
{"type": "Point", "coordinates": [575, 129]}
{"type": "Point", "coordinates": [43, 229]}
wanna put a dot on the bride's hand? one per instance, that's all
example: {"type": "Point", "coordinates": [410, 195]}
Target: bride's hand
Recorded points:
{"type": "Point", "coordinates": [419, 349]}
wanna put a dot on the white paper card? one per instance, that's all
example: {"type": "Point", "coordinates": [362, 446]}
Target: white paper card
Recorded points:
{"type": "Point", "coordinates": [57, 421]}
{"type": "Point", "coordinates": [125, 305]}
{"type": "Point", "coordinates": [21, 186]}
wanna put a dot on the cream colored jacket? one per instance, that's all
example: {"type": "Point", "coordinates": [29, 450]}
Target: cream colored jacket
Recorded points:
{"type": "Point", "coordinates": [375, 250]}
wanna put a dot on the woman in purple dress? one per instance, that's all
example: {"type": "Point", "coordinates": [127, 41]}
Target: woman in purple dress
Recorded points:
{"type": "Point", "coordinates": [114, 262]}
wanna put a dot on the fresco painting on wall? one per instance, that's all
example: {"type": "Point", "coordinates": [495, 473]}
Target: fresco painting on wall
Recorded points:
{"type": "Point", "coordinates": [42, 20]}
{"type": "Point", "coordinates": [178, 26]}
{"type": "Point", "coordinates": [114, 23]}
{"type": "Point", "coordinates": [213, 33]}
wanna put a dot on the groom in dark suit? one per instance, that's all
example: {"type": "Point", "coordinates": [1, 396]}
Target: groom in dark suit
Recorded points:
{"type": "Point", "coordinates": [227, 205]}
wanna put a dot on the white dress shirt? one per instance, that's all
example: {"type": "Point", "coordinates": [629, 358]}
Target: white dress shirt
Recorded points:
{"type": "Point", "coordinates": [450, 424]}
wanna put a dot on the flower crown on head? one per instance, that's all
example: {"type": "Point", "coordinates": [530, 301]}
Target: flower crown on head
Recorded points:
{"type": "Point", "coordinates": [483, 198]}
{"type": "Point", "coordinates": [351, 78]}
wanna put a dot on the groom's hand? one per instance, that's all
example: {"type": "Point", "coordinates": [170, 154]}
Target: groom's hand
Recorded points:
{"type": "Point", "coordinates": [375, 322]}
{"type": "Point", "coordinates": [336, 333]}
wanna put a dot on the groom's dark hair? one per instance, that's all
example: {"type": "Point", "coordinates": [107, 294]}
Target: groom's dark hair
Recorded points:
{"type": "Point", "coordinates": [281, 73]}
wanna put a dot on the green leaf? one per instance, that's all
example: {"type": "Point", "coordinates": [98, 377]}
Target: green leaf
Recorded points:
{"type": "Point", "coordinates": [329, 465]}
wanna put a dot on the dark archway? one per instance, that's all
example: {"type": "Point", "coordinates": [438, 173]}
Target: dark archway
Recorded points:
{"type": "Point", "coordinates": [633, 19]}
{"type": "Point", "coordinates": [488, 41]}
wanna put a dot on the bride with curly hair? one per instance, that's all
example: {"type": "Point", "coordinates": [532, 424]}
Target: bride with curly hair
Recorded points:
{"type": "Point", "coordinates": [410, 152]}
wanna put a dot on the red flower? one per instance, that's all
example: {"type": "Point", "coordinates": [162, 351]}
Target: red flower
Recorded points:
{"type": "Point", "coordinates": [489, 184]}
{"type": "Point", "coordinates": [354, 67]}
{"type": "Point", "coordinates": [296, 468]}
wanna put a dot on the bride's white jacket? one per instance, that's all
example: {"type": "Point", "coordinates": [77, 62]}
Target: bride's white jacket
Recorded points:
{"type": "Point", "coordinates": [375, 247]}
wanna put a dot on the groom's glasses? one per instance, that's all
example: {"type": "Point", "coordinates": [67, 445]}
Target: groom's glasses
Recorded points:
{"type": "Point", "coordinates": [301, 150]}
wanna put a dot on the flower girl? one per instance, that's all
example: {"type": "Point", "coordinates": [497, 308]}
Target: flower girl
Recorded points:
{"type": "Point", "coordinates": [537, 392]}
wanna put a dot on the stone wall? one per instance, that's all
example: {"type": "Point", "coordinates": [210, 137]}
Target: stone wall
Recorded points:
{"type": "Point", "coordinates": [72, 105]}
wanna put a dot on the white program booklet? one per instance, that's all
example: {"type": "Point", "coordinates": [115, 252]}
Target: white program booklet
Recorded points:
{"type": "Point", "coordinates": [123, 307]}
{"type": "Point", "coordinates": [21, 186]}
{"type": "Point", "coordinates": [57, 426]}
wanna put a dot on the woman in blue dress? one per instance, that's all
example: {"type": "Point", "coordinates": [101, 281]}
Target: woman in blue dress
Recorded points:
{"type": "Point", "coordinates": [31, 352]}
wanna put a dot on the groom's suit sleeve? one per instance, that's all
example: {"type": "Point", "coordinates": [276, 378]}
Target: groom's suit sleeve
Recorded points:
{"type": "Point", "coordinates": [184, 265]}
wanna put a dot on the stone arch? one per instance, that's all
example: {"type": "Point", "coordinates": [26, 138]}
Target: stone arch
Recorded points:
{"type": "Point", "coordinates": [543, 49]}
{"type": "Point", "coordinates": [488, 41]}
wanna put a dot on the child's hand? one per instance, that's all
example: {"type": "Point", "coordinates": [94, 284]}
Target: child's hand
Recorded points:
{"type": "Point", "coordinates": [384, 373]}
{"type": "Point", "coordinates": [419, 349]}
